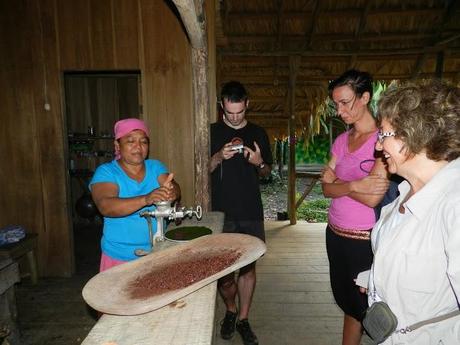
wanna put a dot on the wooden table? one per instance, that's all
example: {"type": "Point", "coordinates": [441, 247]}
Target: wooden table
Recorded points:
{"type": "Point", "coordinates": [26, 246]}
{"type": "Point", "coordinates": [187, 321]}
{"type": "Point", "coordinates": [9, 275]}
{"type": "Point", "coordinates": [314, 174]}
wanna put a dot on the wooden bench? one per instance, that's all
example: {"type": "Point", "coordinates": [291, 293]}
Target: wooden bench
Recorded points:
{"type": "Point", "coordinates": [26, 246]}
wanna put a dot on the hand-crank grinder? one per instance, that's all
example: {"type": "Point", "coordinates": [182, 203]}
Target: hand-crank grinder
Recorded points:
{"type": "Point", "coordinates": [164, 210]}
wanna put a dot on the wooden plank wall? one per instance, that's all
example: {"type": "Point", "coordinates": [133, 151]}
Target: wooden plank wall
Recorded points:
{"type": "Point", "coordinates": [167, 90]}
{"type": "Point", "coordinates": [212, 58]}
{"type": "Point", "coordinates": [39, 40]}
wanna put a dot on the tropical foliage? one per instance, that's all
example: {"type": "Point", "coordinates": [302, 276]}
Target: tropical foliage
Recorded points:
{"type": "Point", "coordinates": [314, 211]}
{"type": "Point", "coordinates": [312, 145]}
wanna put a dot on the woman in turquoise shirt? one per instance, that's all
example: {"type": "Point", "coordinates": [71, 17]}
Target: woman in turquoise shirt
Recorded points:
{"type": "Point", "coordinates": [125, 187]}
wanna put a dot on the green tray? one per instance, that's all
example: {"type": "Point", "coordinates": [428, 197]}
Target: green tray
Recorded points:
{"type": "Point", "coordinates": [187, 233]}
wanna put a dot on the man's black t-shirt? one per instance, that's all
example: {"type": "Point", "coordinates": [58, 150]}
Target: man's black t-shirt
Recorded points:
{"type": "Point", "coordinates": [235, 182]}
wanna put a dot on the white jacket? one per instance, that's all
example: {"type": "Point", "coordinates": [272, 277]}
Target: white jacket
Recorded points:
{"type": "Point", "coordinates": [416, 268]}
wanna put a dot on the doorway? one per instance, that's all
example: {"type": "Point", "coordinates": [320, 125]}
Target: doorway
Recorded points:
{"type": "Point", "coordinates": [94, 101]}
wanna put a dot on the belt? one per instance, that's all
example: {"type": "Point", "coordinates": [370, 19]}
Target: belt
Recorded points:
{"type": "Point", "coordinates": [351, 233]}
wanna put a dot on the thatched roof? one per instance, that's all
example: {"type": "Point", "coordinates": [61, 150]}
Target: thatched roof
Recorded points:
{"type": "Point", "coordinates": [391, 39]}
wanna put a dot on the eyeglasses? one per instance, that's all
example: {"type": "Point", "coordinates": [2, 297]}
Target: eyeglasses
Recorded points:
{"type": "Point", "coordinates": [383, 135]}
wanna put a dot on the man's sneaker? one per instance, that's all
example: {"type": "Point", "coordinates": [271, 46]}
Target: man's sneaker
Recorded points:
{"type": "Point", "coordinates": [227, 325]}
{"type": "Point", "coordinates": [248, 336]}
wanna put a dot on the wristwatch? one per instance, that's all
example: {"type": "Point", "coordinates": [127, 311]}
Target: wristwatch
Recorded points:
{"type": "Point", "coordinates": [261, 165]}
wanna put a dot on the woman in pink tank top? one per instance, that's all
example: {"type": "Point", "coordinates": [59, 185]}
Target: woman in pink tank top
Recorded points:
{"type": "Point", "coordinates": [356, 181]}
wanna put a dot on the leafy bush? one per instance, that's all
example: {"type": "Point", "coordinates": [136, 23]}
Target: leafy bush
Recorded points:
{"type": "Point", "coordinates": [315, 152]}
{"type": "Point", "coordinates": [314, 211]}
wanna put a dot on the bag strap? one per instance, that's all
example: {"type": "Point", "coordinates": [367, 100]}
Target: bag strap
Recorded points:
{"type": "Point", "coordinates": [427, 322]}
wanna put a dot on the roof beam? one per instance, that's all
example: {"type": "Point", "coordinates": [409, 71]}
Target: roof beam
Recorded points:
{"type": "Point", "coordinates": [256, 61]}
{"type": "Point", "coordinates": [451, 7]}
{"type": "Point", "coordinates": [274, 99]}
{"type": "Point", "coordinates": [277, 123]}
{"type": "Point", "coordinates": [350, 12]}
{"type": "Point", "coordinates": [386, 36]}
{"type": "Point", "coordinates": [268, 82]}
{"type": "Point", "coordinates": [328, 53]}
{"type": "Point", "coordinates": [277, 44]}
{"type": "Point", "coordinates": [244, 78]}
{"type": "Point", "coordinates": [314, 19]}
{"type": "Point", "coordinates": [191, 13]}
{"type": "Point", "coordinates": [358, 32]}
{"type": "Point", "coordinates": [279, 20]}
{"type": "Point", "coordinates": [267, 115]}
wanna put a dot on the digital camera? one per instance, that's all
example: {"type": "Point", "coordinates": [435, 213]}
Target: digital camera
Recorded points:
{"type": "Point", "coordinates": [238, 147]}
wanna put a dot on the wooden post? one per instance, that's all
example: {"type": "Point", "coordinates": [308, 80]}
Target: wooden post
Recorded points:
{"type": "Point", "coordinates": [193, 17]}
{"type": "Point", "coordinates": [294, 62]}
{"type": "Point", "coordinates": [201, 109]}
{"type": "Point", "coordinates": [439, 64]}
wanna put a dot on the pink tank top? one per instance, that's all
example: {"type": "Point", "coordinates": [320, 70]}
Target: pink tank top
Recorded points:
{"type": "Point", "coordinates": [345, 212]}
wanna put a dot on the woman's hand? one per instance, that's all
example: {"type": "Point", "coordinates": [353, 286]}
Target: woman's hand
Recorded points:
{"type": "Point", "coordinates": [169, 189]}
{"type": "Point", "coordinates": [172, 187]}
{"type": "Point", "coordinates": [328, 175]}
{"type": "Point", "coordinates": [159, 194]}
{"type": "Point", "coordinates": [372, 184]}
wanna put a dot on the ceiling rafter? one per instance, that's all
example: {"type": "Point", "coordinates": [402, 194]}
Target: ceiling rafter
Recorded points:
{"type": "Point", "coordinates": [350, 12]}
{"type": "Point", "coordinates": [279, 35]}
{"type": "Point", "coordinates": [270, 99]}
{"type": "Point", "coordinates": [381, 37]}
{"type": "Point", "coordinates": [384, 36]}
{"type": "Point", "coordinates": [279, 21]}
{"type": "Point", "coordinates": [311, 30]}
{"type": "Point", "coordinates": [267, 115]}
{"type": "Point", "coordinates": [451, 8]}
{"type": "Point", "coordinates": [359, 30]}
{"type": "Point", "coordinates": [244, 78]}
{"type": "Point", "coordinates": [326, 53]}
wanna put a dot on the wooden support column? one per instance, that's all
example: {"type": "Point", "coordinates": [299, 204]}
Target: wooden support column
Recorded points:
{"type": "Point", "coordinates": [439, 64]}
{"type": "Point", "coordinates": [202, 113]}
{"type": "Point", "coordinates": [294, 62]}
{"type": "Point", "coordinates": [193, 17]}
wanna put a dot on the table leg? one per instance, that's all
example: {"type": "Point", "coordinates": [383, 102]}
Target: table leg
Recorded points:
{"type": "Point", "coordinates": [33, 266]}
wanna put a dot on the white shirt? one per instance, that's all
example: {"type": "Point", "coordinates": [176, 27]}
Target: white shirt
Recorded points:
{"type": "Point", "coordinates": [416, 268]}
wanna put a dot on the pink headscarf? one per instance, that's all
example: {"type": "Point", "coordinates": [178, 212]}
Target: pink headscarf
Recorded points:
{"type": "Point", "coordinates": [125, 126]}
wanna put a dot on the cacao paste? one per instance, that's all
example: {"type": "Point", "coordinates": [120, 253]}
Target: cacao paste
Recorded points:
{"type": "Point", "coordinates": [190, 268]}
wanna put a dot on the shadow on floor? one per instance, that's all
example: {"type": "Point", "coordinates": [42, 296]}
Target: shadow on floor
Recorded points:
{"type": "Point", "coordinates": [53, 312]}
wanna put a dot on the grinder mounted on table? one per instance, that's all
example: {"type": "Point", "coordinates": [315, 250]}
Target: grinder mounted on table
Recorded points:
{"type": "Point", "coordinates": [164, 210]}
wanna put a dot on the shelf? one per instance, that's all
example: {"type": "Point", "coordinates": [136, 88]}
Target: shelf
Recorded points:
{"type": "Point", "coordinates": [86, 138]}
{"type": "Point", "coordinates": [81, 173]}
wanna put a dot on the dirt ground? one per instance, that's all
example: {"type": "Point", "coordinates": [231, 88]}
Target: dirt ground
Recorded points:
{"type": "Point", "coordinates": [274, 194]}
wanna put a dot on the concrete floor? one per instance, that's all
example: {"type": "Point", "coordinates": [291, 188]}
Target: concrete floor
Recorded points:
{"type": "Point", "coordinates": [293, 302]}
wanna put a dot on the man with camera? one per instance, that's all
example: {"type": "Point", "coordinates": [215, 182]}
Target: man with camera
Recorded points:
{"type": "Point", "coordinates": [240, 154]}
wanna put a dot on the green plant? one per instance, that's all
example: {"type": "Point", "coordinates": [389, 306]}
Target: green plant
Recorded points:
{"type": "Point", "coordinates": [317, 152]}
{"type": "Point", "coordinates": [325, 115]}
{"type": "Point", "coordinates": [379, 87]}
{"type": "Point", "coordinates": [314, 211]}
